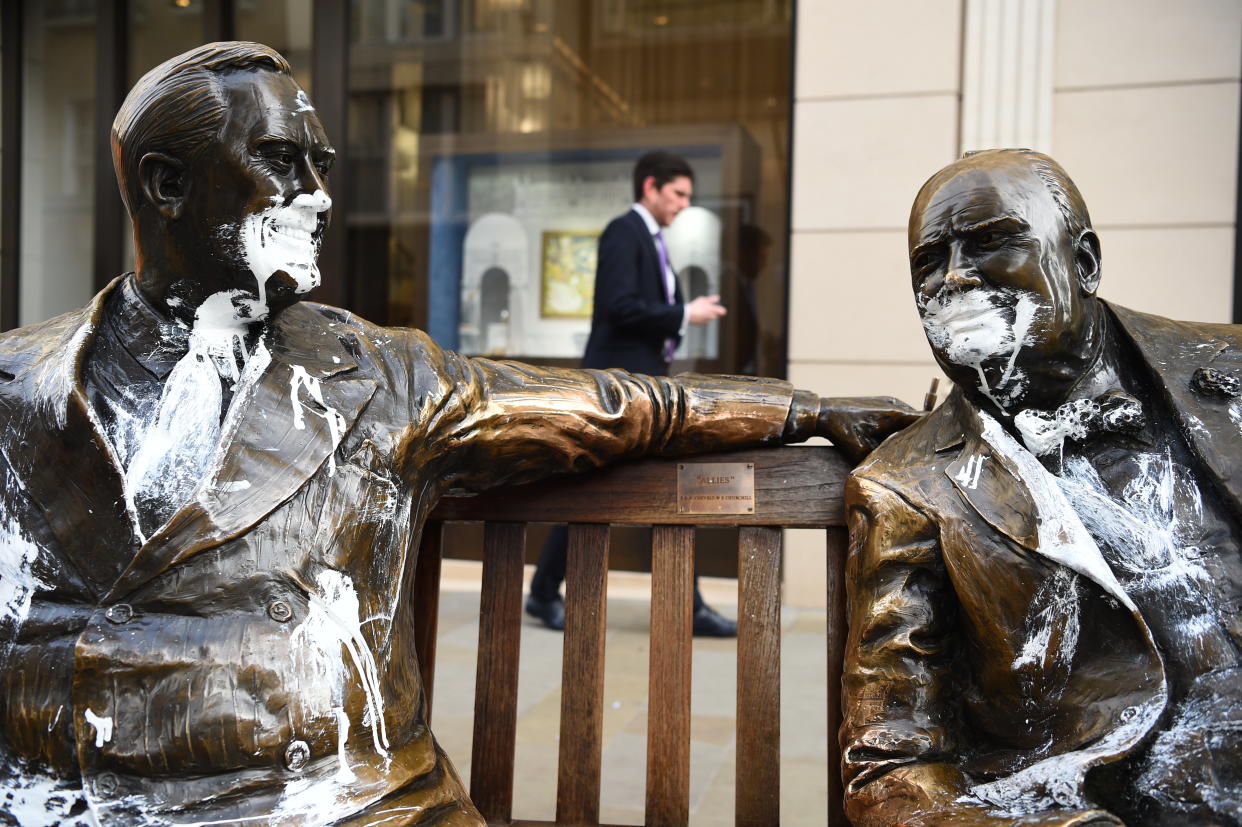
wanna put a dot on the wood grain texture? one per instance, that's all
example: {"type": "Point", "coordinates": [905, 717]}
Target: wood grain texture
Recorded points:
{"type": "Point", "coordinates": [426, 597]}
{"type": "Point", "coordinates": [758, 791]}
{"type": "Point", "coordinates": [496, 682]}
{"type": "Point", "coordinates": [837, 549]}
{"type": "Point", "coordinates": [797, 487]}
{"type": "Point", "coordinates": [668, 716]}
{"type": "Point", "coordinates": [582, 688]}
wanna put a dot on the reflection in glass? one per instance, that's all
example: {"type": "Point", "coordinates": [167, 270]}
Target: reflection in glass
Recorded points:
{"type": "Point", "coordinates": [286, 26]}
{"type": "Point", "coordinates": [58, 185]}
{"type": "Point", "coordinates": [478, 128]}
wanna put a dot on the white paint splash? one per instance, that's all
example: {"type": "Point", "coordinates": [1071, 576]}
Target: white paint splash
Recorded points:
{"type": "Point", "coordinates": [1045, 433]}
{"type": "Point", "coordinates": [1054, 606]}
{"type": "Point", "coordinates": [18, 582]}
{"type": "Point", "coordinates": [232, 486]}
{"type": "Point", "coordinates": [304, 104]}
{"type": "Point", "coordinates": [982, 325]}
{"type": "Point", "coordinates": [34, 799]}
{"type": "Point", "coordinates": [282, 239]}
{"type": "Point", "coordinates": [334, 621]}
{"type": "Point", "coordinates": [102, 725]}
{"type": "Point", "coordinates": [336, 422]}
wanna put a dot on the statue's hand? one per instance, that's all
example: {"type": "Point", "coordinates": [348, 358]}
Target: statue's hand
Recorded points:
{"type": "Point", "coordinates": [856, 425]}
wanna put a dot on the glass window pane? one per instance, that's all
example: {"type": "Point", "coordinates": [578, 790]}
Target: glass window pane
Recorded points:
{"type": "Point", "coordinates": [58, 184]}
{"type": "Point", "coordinates": [285, 25]}
{"type": "Point", "coordinates": [491, 141]}
{"type": "Point", "coordinates": [160, 29]}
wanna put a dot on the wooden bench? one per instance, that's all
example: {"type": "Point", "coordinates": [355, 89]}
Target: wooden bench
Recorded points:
{"type": "Point", "coordinates": [795, 487]}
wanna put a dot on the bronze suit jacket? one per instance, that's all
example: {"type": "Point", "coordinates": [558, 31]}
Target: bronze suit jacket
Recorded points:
{"type": "Point", "coordinates": [966, 690]}
{"type": "Point", "coordinates": [254, 658]}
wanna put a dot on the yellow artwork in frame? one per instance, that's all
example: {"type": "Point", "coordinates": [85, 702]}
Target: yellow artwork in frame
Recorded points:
{"type": "Point", "coordinates": [568, 274]}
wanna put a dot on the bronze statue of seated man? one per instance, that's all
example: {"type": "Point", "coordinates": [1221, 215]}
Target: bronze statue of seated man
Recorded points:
{"type": "Point", "coordinates": [211, 492]}
{"type": "Point", "coordinates": [1045, 573]}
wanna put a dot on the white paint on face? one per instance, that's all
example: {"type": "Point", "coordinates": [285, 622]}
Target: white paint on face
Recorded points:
{"type": "Point", "coordinates": [102, 725]}
{"type": "Point", "coordinates": [982, 325]}
{"type": "Point", "coordinates": [333, 622]}
{"type": "Point", "coordinates": [336, 423]}
{"type": "Point", "coordinates": [282, 239]}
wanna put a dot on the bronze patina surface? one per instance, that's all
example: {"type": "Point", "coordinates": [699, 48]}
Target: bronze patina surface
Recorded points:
{"type": "Point", "coordinates": [1044, 574]}
{"type": "Point", "coordinates": [211, 491]}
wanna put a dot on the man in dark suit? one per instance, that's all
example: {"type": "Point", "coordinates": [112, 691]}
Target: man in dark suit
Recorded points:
{"type": "Point", "coordinates": [639, 316]}
{"type": "Point", "coordinates": [210, 490]}
{"type": "Point", "coordinates": [1044, 574]}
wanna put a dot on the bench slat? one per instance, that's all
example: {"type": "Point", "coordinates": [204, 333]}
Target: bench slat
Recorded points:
{"type": "Point", "coordinates": [496, 682]}
{"type": "Point", "coordinates": [668, 717]}
{"type": "Point", "coordinates": [582, 695]}
{"type": "Point", "coordinates": [758, 678]}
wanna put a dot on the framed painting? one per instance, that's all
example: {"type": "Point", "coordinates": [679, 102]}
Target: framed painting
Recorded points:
{"type": "Point", "coordinates": [567, 274]}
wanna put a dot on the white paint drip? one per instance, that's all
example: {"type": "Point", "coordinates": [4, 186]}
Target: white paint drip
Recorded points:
{"type": "Point", "coordinates": [102, 725]}
{"type": "Point", "coordinates": [344, 774]}
{"type": "Point", "coordinates": [332, 622]}
{"type": "Point", "coordinates": [1054, 605]}
{"type": "Point", "coordinates": [974, 326]}
{"type": "Point", "coordinates": [969, 475]}
{"type": "Point", "coordinates": [282, 239]}
{"type": "Point", "coordinates": [336, 422]}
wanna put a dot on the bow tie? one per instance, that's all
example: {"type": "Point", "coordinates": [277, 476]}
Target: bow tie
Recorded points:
{"type": "Point", "coordinates": [1113, 411]}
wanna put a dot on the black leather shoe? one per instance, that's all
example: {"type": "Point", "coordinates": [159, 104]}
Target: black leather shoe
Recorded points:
{"type": "Point", "coordinates": [551, 612]}
{"type": "Point", "coordinates": [708, 623]}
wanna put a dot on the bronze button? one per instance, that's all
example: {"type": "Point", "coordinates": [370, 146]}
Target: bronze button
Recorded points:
{"type": "Point", "coordinates": [296, 755]}
{"type": "Point", "coordinates": [106, 785]}
{"type": "Point", "coordinates": [120, 613]}
{"type": "Point", "coordinates": [280, 611]}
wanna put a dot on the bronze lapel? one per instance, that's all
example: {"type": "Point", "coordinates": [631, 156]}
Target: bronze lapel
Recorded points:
{"type": "Point", "coordinates": [287, 429]}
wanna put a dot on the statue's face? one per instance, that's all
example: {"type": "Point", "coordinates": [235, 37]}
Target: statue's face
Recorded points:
{"type": "Point", "coordinates": [258, 195]}
{"type": "Point", "coordinates": [994, 278]}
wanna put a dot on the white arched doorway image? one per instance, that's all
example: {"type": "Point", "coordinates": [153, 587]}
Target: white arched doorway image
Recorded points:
{"type": "Point", "coordinates": [495, 278]}
{"type": "Point", "coordinates": [693, 242]}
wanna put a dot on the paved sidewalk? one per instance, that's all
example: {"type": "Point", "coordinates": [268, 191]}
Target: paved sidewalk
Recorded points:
{"type": "Point", "coordinates": [803, 727]}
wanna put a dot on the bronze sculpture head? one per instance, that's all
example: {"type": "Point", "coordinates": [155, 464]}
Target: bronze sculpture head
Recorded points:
{"type": "Point", "coordinates": [222, 163]}
{"type": "Point", "coordinates": [1005, 266]}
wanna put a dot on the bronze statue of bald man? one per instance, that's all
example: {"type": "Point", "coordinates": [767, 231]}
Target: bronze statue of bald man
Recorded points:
{"type": "Point", "coordinates": [211, 492]}
{"type": "Point", "coordinates": [1044, 573]}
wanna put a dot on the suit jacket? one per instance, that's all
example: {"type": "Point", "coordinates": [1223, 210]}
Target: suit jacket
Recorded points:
{"type": "Point", "coordinates": [631, 318]}
{"type": "Point", "coordinates": [254, 658]}
{"type": "Point", "coordinates": [992, 658]}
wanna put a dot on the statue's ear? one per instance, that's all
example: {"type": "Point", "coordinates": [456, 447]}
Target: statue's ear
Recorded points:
{"type": "Point", "coordinates": [1087, 261]}
{"type": "Point", "coordinates": [163, 183]}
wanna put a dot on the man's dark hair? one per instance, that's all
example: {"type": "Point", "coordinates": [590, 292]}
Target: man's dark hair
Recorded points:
{"type": "Point", "coordinates": [663, 167]}
{"type": "Point", "coordinates": [178, 106]}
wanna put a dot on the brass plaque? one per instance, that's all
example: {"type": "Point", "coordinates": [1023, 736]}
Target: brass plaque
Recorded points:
{"type": "Point", "coordinates": [715, 488]}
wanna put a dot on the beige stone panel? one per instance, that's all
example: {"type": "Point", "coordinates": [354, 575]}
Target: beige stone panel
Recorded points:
{"type": "Point", "coordinates": [850, 298]}
{"type": "Point", "coordinates": [859, 163]}
{"type": "Point", "coordinates": [1182, 273]}
{"type": "Point", "coordinates": [1104, 42]}
{"type": "Point", "coordinates": [1157, 155]}
{"type": "Point", "coordinates": [806, 571]}
{"type": "Point", "coordinates": [880, 47]}
{"type": "Point", "coordinates": [907, 382]}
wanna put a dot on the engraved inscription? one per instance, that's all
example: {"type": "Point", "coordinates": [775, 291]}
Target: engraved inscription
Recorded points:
{"type": "Point", "coordinates": [715, 488]}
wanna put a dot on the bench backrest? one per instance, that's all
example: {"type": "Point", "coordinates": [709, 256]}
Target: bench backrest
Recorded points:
{"type": "Point", "coordinates": [796, 487]}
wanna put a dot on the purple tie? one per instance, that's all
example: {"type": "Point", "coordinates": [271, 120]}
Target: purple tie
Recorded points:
{"type": "Point", "coordinates": [670, 345]}
{"type": "Point", "coordinates": [664, 267]}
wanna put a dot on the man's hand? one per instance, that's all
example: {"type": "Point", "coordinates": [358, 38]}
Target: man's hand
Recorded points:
{"type": "Point", "coordinates": [705, 309]}
{"type": "Point", "coordinates": [856, 425]}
